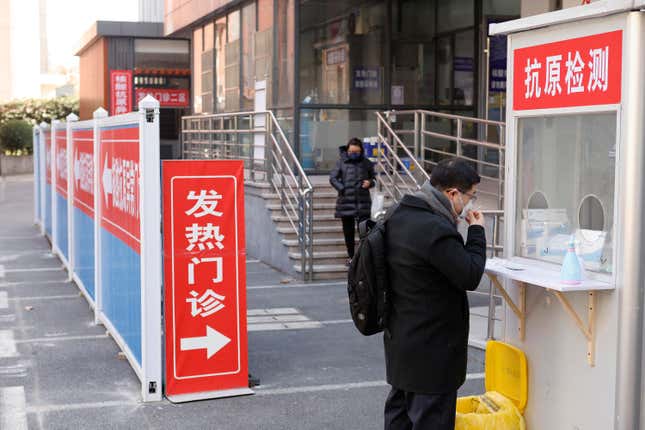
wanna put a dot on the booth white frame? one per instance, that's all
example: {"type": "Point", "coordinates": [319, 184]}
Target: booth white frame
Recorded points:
{"type": "Point", "coordinates": [628, 276]}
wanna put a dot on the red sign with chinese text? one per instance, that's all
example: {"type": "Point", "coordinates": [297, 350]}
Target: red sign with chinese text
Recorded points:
{"type": "Point", "coordinates": [121, 92]}
{"type": "Point", "coordinates": [82, 173]}
{"type": "Point", "coordinates": [205, 276]}
{"type": "Point", "coordinates": [576, 72]}
{"type": "Point", "coordinates": [48, 156]}
{"type": "Point", "coordinates": [119, 178]}
{"type": "Point", "coordinates": [165, 96]}
{"type": "Point", "coordinates": [61, 162]}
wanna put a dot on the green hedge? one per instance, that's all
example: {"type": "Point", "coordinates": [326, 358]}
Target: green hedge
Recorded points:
{"type": "Point", "coordinates": [36, 111]}
{"type": "Point", "coordinates": [16, 137]}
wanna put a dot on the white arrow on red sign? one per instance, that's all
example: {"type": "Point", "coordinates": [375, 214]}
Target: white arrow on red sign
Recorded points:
{"type": "Point", "coordinates": [212, 342]}
{"type": "Point", "coordinates": [107, 180]}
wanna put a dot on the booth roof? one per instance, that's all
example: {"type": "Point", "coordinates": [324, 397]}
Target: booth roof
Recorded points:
{"type": "Point", "coordinates": [592, 10]}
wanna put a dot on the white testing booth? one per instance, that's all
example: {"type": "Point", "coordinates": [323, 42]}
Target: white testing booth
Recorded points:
{"type": "Point", "coordinates": [575, 166]}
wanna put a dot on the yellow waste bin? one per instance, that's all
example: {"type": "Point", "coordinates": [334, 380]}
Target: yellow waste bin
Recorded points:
{"type": "Point", "coordinates": [502, 406]}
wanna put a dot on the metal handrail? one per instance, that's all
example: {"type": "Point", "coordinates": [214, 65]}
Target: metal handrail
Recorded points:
{"type": "Point", "coordinates": [223, 136]}
{"type": "Point", "coordinates": [425, 153]}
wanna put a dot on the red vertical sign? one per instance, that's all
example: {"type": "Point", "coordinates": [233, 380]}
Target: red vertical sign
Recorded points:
{"type": "Point", "coordinates": [121, 92]}
{"type": "Point", "coordinates": [61, 162]}
{"type": "Point", "coordinates": [83, 170]}
{"type": "Point", "coordinates": [205, 278]}
{"type": "Point", "coordinates": [119, 176]}
{"type": "Point", "coordinates": [575, 72]}
{"type": "Point", "coordinates": [48, 156]}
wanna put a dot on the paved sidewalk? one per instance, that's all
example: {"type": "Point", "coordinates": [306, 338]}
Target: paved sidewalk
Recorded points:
{"type": "Point", "coordinates": [60, 371]}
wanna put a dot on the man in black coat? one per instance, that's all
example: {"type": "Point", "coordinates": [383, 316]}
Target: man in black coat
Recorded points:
{"type": "Point", "coordinates": [430, 271]}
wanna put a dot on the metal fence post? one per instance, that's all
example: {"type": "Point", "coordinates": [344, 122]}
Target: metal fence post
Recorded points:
{"type": "Point", "coordinates": [98, 115]}
{"type": "Point", "coordinates": [54, 180]}
{"type": "Point", "coordinates": [71, 177]}
{"type": "Point", "coordinates": [151, 277]}
{"type": "Point", "coordinates": [42, 159]}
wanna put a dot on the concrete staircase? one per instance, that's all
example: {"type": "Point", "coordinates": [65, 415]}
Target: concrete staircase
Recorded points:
{"type": "Point", "coordinates": [330, 254]}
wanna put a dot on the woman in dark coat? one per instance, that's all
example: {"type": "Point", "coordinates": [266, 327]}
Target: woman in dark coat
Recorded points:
{"type": "Point", "coordinates": [352, 177]}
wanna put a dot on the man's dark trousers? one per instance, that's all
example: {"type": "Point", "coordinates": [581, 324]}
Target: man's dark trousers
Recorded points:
{"type": "Point", "coordinates": [414, 411]}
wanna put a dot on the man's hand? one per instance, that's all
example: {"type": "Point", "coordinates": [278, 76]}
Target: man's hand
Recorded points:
{"type": "Point", "coordinates": [475, 218]}
{"type": "Point", "coordinates": [366, 184]}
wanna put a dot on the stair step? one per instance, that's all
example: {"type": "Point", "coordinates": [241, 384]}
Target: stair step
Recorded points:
{"type": "Point", "coordinates": [317, 217]}
{"type": "Point", "coordinates": [317, 195]}
{"type": "Point", "coordinates": [321, 255]}
{"type": "Point", "coordinates": [317, 242]}
{"type": "Point", "coordinates": [325, 268]}
{"type": "Point", "coordinates": [317, 229]}
{"type": "Point", "coordinates": [317, 206]}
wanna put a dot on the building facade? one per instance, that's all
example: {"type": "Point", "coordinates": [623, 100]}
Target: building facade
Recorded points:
{"type": "Point", "coordinates": [122, 62]}
{"type": "Point", "coordinates": [329, 65]}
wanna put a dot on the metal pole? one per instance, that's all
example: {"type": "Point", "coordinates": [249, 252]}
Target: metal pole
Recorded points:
{"type": "Point", "coordinates": [422, 158]}
{"type": "Point", "coordinates": [458, 149]}
{"type": "Point", "coordinates": [631, 243]}
{"type": "Point", "coordinates": [491, 292]}
{"type": "Point", "coordinates": [416, 134]}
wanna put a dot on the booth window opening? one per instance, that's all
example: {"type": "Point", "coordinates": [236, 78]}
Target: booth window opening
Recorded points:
{"type": "Point", "coordinates": [566, 187]}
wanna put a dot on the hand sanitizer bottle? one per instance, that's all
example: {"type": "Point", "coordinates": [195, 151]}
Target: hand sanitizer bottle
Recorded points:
{"type": "Point", "coordinates": [571, 272]}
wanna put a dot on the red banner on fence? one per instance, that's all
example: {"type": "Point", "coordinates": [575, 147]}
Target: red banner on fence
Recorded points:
{"type": "Point", "coordinates": [83, 170]}
{"type": "Point", "coordinates": [167, 97]}
{"type": "Point", "coordinates": [61, 162]}
{"type": "Point", "coordinates": [205, 279]}
{"type": "Point", "coordinates": [119, 176]}
{"type": "Point", "coordinates": [576, 72]}
{"type": "Point", "coordinates": [121, 92]}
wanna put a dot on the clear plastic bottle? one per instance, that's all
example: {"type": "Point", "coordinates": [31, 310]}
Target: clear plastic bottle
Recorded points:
{"type": "Point", "coordinates": [571, 272]}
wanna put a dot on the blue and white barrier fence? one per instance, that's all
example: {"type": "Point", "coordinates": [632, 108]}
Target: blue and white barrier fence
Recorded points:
{"type": "Point", "coordinates": [97, 198]}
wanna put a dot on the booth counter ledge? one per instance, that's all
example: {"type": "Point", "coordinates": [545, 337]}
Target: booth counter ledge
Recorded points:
{"type": "Point", "coordinates": [539, 276]}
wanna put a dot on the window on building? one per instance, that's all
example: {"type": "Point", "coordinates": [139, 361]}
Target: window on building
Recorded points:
{"type": "Point", "coordinates": [285, 44]}
{"type": "Point", "coordinates": [220, 64]}
{"type": "Point", "coordinates": [198, 44]}
{"type": "Point", "coordinates": [208, 65]}
{"type": "Point", "coordinates": [265, 15]}
{"type": "Point", "coordinates": [232, 63]}
{"type": "Point", "coordinates": [249, 25]}
{"type": "Point", "coordinates": [413, 56]}
{"type": "Point", "coordinates": [342, 57]}
{"type": "Point", "coordinates": [322, 131]}
{"type": "Point", "coordinates": [455, 14]}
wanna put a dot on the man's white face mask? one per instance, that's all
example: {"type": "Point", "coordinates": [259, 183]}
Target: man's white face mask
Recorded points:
{"type": "Point", "coordinates": [466, 208]}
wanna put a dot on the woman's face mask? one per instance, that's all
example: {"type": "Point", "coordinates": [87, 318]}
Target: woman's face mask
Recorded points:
{"type": "Point", "coordinates": [354, 155]}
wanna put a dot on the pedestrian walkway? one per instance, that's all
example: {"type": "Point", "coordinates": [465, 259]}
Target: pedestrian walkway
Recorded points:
{"type": "Point", "coordinates": [58, 370]}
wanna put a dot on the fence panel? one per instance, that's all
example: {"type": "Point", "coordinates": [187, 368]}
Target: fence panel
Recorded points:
{"type": "Point", "coordinates": [100, 202]}
{"type": "Point", "coordinates": [46, 161]}
{"type": "Point", "coordinates": [60, 242]}
{"type": "Point", "coordinates": [38, 218]}
{"type": "Point", "coordinates": [81, 168]}
{"type": "Point", "coordinates": [128, 263]}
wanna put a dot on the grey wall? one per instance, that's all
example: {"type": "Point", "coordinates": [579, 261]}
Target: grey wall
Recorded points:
{"type": "Point", "coordinates": [263, 242]}
{"type": "Point", "coordinates": [16, 165]}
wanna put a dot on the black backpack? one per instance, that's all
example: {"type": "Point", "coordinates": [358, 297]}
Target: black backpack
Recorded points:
{"type": "Point", "coordinates": [367, 279]}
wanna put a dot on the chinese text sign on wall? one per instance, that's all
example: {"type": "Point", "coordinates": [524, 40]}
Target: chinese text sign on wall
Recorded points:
{"type": "Point", "coordinates": [121, 91]}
